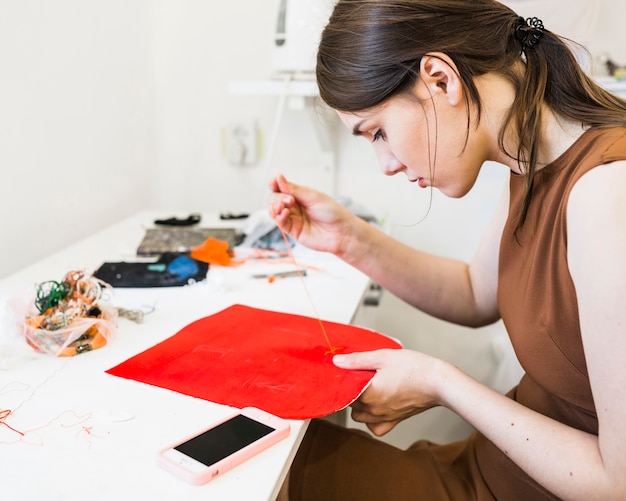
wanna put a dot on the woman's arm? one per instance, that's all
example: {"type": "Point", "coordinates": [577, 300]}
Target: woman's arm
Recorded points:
{"type": "Point", "coordinates": [596, 223]}
{"type": "Point", "coordinates": [568, 462]}
{"type": "Point", "coordinates": [446, 288]}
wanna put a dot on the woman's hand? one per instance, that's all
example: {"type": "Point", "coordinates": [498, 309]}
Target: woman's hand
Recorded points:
{"type": "Point", "coordinates": [404, 385]}
{"type": "Point", "coordinates": [312, 218]}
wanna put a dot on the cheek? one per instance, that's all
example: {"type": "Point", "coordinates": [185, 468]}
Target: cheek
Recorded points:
{"type": "Point", "coordinates": [411, 145]}
{"type": "Point", "coordinates": [413, 154]}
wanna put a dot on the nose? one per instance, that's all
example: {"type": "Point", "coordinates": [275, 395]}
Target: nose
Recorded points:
{"type": "Point", "coordinates": [390, 165]}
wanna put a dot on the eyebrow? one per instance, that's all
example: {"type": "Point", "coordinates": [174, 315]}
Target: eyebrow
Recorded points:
{"type": "Point", "coordinates": [356, 130]}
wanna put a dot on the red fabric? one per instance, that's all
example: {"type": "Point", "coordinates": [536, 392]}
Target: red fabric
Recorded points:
{"type": "Point", "coordinates": [245, 356]}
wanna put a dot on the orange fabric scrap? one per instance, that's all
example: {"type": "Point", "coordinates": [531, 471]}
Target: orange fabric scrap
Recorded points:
{"type": "Point", "coordinates": [213, 251]}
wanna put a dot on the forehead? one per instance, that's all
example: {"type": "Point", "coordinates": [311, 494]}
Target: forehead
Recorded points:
{"type": "Point", "coordinates": [353, 120]}
{"type": "Point", "coordinates": [390, 105]}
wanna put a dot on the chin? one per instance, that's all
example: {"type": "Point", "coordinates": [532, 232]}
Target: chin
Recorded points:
{"type": "Point", "coordinates": [454, 192]}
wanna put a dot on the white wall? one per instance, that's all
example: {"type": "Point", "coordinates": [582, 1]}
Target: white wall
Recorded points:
{"type": "Point", "coordinates": [76, 121]}
{"type": "Point", "coordinates": [610, 37]}
{"type": "Point", "coordinates": [199, 50]}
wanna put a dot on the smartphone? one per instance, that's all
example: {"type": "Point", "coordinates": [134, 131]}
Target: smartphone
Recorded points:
{"type": "Point", "coordinates": [225, 444]}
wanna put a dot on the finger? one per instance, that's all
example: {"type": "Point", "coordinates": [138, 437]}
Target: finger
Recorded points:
{"type": "Point", "coordinates": [366, 360]}
{"type": "Point", "coordinates": [282, 184]}
{"type": "Point", "coordinates": [279, 184]}
{"type": "Point", "coordinates": [280, 204]}
{"type": "Point", "coordinates": [283, 221]}
{"type": "Point", "coordinates": [377, 424]}
{"type": "Point", "coordinates": [380, 429]}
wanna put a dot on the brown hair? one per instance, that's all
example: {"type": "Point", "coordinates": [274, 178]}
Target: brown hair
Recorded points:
{"type": "Point", "coordinates": [371, 50]}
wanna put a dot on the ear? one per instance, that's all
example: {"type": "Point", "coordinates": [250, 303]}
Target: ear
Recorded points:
{"type": "Point", "coordinates": [440, 76]}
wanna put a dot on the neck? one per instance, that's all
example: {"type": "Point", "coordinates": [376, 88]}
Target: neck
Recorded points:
{"type": "Point", "coordinates": [556, 135]}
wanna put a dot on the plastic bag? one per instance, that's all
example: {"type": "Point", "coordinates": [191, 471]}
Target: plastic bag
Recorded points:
{"type": "Point", "coordinates": [69, 318]}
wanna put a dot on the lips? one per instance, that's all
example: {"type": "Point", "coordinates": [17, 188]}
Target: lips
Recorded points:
{"type": "Point", "coordinates": [422, 183]}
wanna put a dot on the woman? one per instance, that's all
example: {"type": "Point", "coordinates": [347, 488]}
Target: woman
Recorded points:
{"type": "Point", "coordinates": [438, 88]}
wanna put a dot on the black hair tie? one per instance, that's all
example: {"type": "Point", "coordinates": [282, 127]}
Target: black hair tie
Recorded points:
{"type": "Point", "coordinates": [528, 31]}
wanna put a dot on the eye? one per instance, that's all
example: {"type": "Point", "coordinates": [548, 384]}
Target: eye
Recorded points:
{"type": "Point", "coordinates": [379, 134]}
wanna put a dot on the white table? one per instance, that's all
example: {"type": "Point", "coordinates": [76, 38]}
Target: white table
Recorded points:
{"type": "Point", "coordinates": [81, 449]}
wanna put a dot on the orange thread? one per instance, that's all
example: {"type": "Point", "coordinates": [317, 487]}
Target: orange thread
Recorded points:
{"type": "Point", "coordinates": [85, 429]}
{"type": "Point", "coordinates": [5, 414]}
{"type": "Point", "coordinates": [331, 349]}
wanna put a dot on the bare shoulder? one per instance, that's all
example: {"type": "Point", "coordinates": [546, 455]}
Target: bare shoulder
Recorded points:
{"type": "Point", "coordinates": [596, 236]}
{"type": "Point", "coordinates": [599, 197]}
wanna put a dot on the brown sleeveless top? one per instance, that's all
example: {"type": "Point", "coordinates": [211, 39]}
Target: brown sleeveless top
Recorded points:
{"type": "Point", "coordinates": [538, 305]}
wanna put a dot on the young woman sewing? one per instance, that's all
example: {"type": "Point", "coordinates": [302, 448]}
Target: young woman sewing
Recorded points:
{"type": "Point", "coordinates": [439, 87]}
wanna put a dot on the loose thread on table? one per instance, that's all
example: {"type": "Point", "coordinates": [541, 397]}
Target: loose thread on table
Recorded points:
{"type": "Point", "coordinates": [61, 421]}
{"type": "Point", "coordinates": [35, 433]}
{"type": "Point", "coordinates": [18, 386]}
{"type": "Point", "coordinates": [13, 386]}
{"type": "Point", "coordinates": [331, 349]}
{"type": "Point", "coordinates": [4, 414]}
{"type": "Point", "coordinates": [42, 383]}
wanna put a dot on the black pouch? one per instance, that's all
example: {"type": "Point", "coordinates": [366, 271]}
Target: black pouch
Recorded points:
{"type": "Point", "coordinates": [171, 270]}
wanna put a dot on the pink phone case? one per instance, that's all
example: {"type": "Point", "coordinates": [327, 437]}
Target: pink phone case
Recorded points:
{"type": "Point", "coordinates": [197, 473]}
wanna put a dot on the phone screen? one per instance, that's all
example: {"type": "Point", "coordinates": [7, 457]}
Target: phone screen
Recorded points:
{"type": "Point", "coordinates": [223, 440]}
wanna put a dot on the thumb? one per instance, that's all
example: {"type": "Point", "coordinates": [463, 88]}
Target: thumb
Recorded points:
{"type": "Point", "coordinates": [366, 360]}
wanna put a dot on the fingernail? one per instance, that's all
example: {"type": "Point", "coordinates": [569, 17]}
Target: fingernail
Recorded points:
{"type": "Point", "coordinates": [339, 360]}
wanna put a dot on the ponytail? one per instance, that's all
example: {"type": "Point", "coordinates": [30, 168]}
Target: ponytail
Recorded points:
{"type": "Point", "coordinates": [553, 77]}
